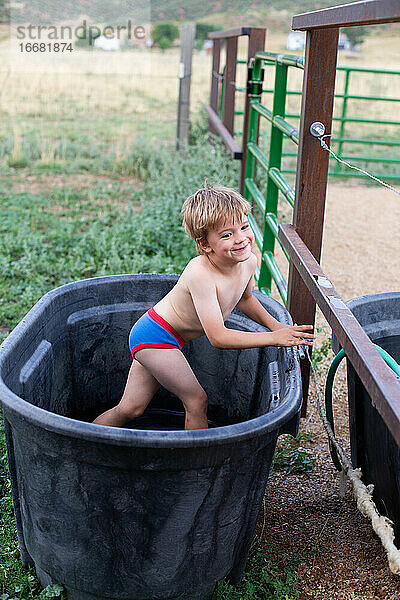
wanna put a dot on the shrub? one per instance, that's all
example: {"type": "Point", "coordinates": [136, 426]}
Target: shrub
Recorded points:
{"type": "Point", "coordinates": [198, 132]}
{"type": "Point", "coordinates": [18, 163]}
{"type": "Point", "coordinates": [164, 34]}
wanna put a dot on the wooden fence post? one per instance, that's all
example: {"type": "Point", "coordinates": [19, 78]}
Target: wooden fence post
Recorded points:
{"type": "Point", "coordinates": [215, 79]}
{"type": "Point", "coordinates": [256, 44]}
{"type": "Point", "coordinates": [228, 109]}
{"type": "Point", "coordinates": [312, 169]}
{"type": "Point", "coordinates": [185, 74]}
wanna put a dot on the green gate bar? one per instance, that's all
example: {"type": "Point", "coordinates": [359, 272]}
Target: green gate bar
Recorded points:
{"type": "Point", "coordinates": [273, 59]}
{"type": "Point", "coordinates": [341, 138]}
{"type": "Point", "coordinates": [275, 156]}
{"type": "Point", "coordinates": [280, 128]}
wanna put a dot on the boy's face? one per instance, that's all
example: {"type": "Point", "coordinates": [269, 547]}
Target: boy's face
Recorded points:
{"type": "Point", "coordinates": [231, 241]}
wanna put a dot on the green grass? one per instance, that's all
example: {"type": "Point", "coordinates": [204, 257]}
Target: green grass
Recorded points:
{"type": "Point", "coordinates": [272, 573]}
{"type": "Point", "coordinates": [65, 233]}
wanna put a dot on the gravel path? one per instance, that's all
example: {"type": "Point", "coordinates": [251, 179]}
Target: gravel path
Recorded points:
{"type": "Point", "coordinates": [306, 513]}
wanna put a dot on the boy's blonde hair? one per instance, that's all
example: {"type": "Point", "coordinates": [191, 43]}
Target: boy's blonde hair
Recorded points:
{"type": "Point", "coordinates": [210, 206]}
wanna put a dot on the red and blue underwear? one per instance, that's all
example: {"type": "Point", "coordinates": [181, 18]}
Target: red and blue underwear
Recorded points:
{"type": "Point", "coordinates": [152, 331]}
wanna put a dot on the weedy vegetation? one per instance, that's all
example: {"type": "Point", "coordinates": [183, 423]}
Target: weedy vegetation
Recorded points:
{"type": "Point", "coordinates": [271, 574]}
{"type": "Point", "coordinates": [321, 352]}
{"type": "Point", "coordinates": [292, 456]}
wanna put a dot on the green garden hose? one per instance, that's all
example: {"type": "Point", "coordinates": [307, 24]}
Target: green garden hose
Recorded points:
{"type": "Point", "coordinates": [329, 385]}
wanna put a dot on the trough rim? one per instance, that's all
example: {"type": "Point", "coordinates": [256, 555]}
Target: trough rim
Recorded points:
{"type": "Point", "coordinates": [226, 434]}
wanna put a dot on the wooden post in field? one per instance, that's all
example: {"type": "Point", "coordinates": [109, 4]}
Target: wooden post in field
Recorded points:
{"type": "Point", "coordinates": [256, 44]}
{"type": "Point", "coordinates": [185, 73]}
{"type": "Point", "coordinates": [216, 57]}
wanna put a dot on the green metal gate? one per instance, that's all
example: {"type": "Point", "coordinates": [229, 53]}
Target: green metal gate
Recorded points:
{"type": "Point", "coordinates": [271, 162]}
{"type": "Point", "coordinates": [347, 139]}
{"type": "Point", "coordinates": [276, 183]}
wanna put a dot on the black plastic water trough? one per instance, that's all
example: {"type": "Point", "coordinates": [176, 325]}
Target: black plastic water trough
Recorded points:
{"type": "Point", "coordinates": [373, 448]}
{"type": "Point", "coordinates": [131, 513]}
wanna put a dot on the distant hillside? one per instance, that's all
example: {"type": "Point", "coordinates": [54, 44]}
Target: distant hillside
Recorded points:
{"type": "Point", "coordinates": [4, 11]}
{"type": "Point", "coordinates": [172, 10]}
{"type": "Point", "coordinates": [224, 12]}
{"type": "Point", "coordinates": [54, 11]}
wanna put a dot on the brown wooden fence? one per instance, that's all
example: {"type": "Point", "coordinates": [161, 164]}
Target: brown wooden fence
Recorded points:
{"type": "Point", "coordinates": [308, 285]}
{"type": "Point", "coordinates": [226, 83]}
{"type": "Point", "coordinates": [302, 240]}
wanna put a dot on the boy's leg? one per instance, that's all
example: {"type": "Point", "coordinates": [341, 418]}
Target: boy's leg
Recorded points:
{"type": "Point", "coordinates": [139, 389]}
{"type": "Point", "coordinates": [171, 369]}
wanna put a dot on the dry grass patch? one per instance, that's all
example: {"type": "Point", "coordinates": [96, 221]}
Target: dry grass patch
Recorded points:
{"type": "Point", "coordinates": [102, 192]}
{"type": "Point", "coordinates": [43, 183]}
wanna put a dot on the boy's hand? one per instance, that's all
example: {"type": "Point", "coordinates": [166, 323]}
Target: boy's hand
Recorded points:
{"type": "Point", "coordinates": [293, 335]}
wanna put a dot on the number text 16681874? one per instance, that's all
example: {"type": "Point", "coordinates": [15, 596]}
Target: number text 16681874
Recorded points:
{"type": "Point", "coordinates": [45, 47]}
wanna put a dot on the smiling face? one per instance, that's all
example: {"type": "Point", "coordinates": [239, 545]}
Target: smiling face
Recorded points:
{"type": "Point", "coordinates": [230, 242]}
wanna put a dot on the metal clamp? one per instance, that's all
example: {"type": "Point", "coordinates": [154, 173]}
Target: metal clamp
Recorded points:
{"type": "Point", "coordinates": [217, 75]}
{"type": "Point", "coordinates": [250, 83]}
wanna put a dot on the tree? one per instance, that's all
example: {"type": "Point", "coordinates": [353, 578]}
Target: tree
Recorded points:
{"type": "Point", "coordinates": [164, 34]}
{"type": "Point", "coordinates": [356, 35]}
{"type": "Point", "coordinates": [202, 31]}
{"type": "Point", "coordinates": [164, 43]}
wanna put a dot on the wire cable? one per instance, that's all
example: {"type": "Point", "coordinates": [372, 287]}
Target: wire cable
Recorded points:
{"type": "Point", "coordinates": [325, 146]}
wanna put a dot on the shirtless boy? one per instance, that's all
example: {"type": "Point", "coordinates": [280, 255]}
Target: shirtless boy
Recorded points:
{"type": "Point", "coordinates": [212, 284]}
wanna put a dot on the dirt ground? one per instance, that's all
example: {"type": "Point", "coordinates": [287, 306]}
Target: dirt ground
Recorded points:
{"type": "Point", "coordinates": [306, 513]}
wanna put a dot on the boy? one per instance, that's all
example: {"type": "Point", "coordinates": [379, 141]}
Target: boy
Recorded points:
{"type": "Point", "coordinates": [212, 284]}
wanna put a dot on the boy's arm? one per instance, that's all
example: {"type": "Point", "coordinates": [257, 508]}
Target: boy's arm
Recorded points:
{"type": "Point", "coordinates": [251, 307]}
{"type": "Point", "coordinates": [205, 300]}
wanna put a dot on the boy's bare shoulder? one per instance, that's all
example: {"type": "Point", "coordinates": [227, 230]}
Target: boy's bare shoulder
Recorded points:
{"type": "Point", "coordinates": [198, 263]}
{"type": "Point", "coordinates": [197, 266]}
{"type": "Point", "coordinates": [253, 260]}
{"type": "Point", "coordinates": [197, 270]}
{"type": "Point", "coordinates": [251, 264]}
